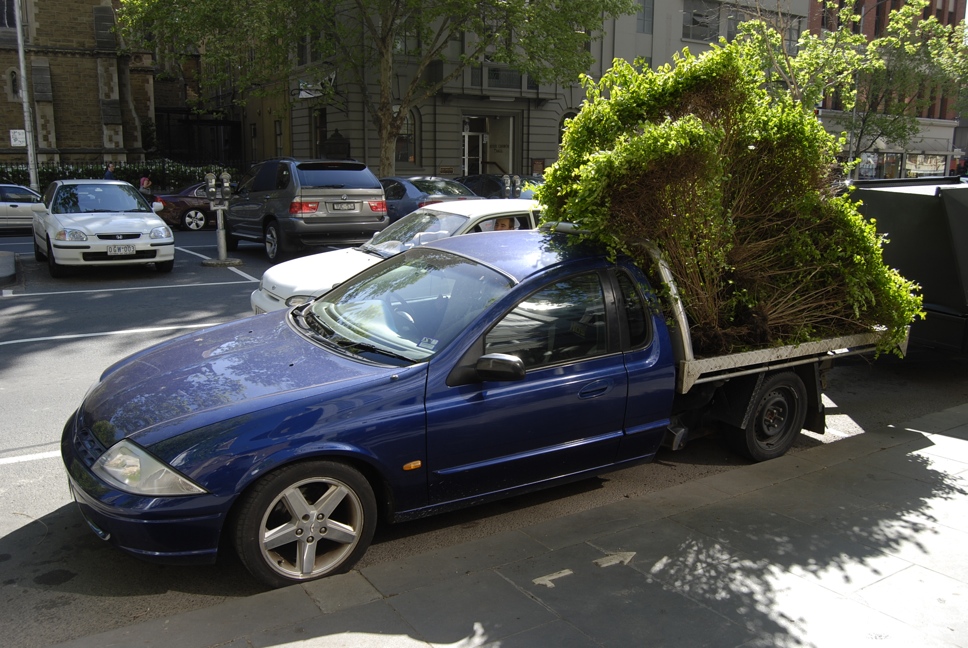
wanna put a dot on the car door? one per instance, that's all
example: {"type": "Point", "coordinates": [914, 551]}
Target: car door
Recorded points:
{"type": "Point", "coordinates": [246, 208]}
{"type": "Point", "coordinates": [16, 206]}
{"type": "Point", "coordinates": [566, 415]}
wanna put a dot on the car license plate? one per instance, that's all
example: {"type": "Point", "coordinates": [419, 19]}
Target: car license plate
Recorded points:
{"type": "Point", "coordinates": [120, 250]}
{"type": "Point", "coordinates": [347, 206]}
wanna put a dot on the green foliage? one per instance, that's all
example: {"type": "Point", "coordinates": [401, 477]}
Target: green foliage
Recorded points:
{"type": "Point", "coordinates": [165, 174]}
{"type": "Point", "coordinates": [733, 185]}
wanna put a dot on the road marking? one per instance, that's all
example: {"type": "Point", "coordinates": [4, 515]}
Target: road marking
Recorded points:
{"type": "Point", "coordinates": [202, 256]}
{"type": "Point", "coordinates": [547, 581]}
{"type": "Point", "coordinates": [31, 457]}
{"type": "Point", "coordinates": [110, 290]}
{"type": "Point", "coordinates": [153, 329]}
{"type": "Point", "coordinates": [615, 559]}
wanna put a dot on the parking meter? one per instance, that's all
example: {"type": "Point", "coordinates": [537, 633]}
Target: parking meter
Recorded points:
{"type": "Point", "coordinates": [226, 185]}
{"type": "Point", "coordinates": [506, 191]}
{"type": "Point", "coordinates": [516, 186]}
{"type": "Point", "coordinates": [210, 188]}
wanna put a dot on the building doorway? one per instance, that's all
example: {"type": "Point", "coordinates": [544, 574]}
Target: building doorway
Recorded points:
{"type": "Point", "coordinates": [488, 145]}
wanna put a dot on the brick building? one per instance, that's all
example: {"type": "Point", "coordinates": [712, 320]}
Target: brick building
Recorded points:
{"type": "Point", "coordinates": [89, 101]}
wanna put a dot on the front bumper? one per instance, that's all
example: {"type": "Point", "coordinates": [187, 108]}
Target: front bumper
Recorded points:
{"type": "Point", "coordinates": [262, 301]}
{"type": "Point", "coordinates": [172, 530]}
{"type": "Point", "coordinates": [96, 253]}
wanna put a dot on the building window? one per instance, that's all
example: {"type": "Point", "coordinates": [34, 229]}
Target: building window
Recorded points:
{"type": "Point", "coordinates": [14, 84]}
{"type": "Point", "coordinates": [406, 147]}
{"type": "Point", "coordinates": [646, 14]}
{"type": "Point", "coordinates": [700, 20]}
{"type": "Point", "coordinates": [319, 132]}
{"type": "Point", "coordinates": [278, 127]}
{"type": "Point", "coordinates": [8, 18]}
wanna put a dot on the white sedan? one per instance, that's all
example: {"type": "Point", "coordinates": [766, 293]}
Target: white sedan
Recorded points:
{"type": "Point", "coordinates": [300, 280]}
{"type": "Point", "coordinates": [99, 223]}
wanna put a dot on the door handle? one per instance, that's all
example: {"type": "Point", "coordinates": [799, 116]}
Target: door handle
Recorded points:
{"type": "Point", "coordinates": [595, 389]}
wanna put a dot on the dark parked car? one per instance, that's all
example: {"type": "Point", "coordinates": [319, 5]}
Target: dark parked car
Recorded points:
{"type": "Point", "coordinates": [187, 209]}
{"type": "Point", "coordinates": [288, 204]}
{"type": "Point", "coordinates": [15, 206]}
{"type": "Point", "coordinates": [491, 185]}
{"type": "Point", "coordinates": [407, 194]}
{"type": "Point", "coordinates": [472, 368]}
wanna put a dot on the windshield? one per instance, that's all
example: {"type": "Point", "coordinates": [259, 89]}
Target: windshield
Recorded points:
{"type": "Point", "coordinates": [410, 307]}
{"type": "Point", "coordinates": [93, 198]}
{"type": "Point", "coordinates": [416, 228]}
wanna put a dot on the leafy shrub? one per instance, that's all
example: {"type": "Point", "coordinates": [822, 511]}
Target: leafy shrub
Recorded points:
{"type": "Point", "coordinates": [165, 174]}
{"type": "Point", "coordinates": [734, 188]}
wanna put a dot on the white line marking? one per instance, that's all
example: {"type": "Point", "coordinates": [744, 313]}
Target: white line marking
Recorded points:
{"type": "Point", "coordinates": [235, 270]}
{"type": "Point", "coordinates": [30, 457]}
{"type": "Point", "coordinates": [153, 329]}
{"type": "Point", "coordinates": [547, 580]}
{"type": "Point", "coordinates": [110, 290]}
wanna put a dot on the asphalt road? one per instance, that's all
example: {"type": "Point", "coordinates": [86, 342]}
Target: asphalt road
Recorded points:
{"type": "Point", "coordinates": [58, 581]}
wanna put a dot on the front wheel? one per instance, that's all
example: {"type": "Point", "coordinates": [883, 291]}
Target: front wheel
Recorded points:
{"type": "Point", "coordinates": [305, 521]}
{"type": "Point", "coordinates": [780, 411]}
{"type": "Point", "coordinates": [193, 219]}
{"type": "Point", "coordinates": [56, 270]}
{"type": "Point", "coordinates": [273, 241]}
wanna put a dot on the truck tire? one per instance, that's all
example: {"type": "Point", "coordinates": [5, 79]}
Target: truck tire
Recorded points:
{"type": "Point", "coordinates": [779, 410]}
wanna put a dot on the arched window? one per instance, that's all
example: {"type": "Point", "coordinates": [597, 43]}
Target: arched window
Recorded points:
{"type": "Point", "coordinates": [14, 83]}
{"type": "Point", "coordinates": [406, 150]}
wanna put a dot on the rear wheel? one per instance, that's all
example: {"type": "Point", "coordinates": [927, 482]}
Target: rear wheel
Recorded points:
{"type": "Point", "coordinates": [57, 271]}
{"type": "Point", "coordinates": [780, 411]}
{"type": "Point", "coordinates": [231, 242]}
{"type": "Point", "coordinates": [305, 521]}
{"type": "Point", "coordinates": [193, 219]}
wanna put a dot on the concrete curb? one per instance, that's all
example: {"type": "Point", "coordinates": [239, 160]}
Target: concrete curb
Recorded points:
{"type": "Point", "coordinates": [8, 268]}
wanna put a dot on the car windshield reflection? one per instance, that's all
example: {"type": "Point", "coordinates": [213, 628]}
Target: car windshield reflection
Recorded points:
{"type": "Point", "coordinates": [410, 307]}
{"type": "Point", "coordinates": [418, 228]}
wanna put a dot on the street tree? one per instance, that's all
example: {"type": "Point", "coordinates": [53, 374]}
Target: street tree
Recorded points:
{"type": "Point", "coordinates": [883, 84]}
{"type": "Point", "coordinates": [251, 46]}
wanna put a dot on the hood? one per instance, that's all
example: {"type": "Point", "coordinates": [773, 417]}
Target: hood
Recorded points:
{"type": "Point", "coordinates": [110, 222]}
{"type": "Point", "coordinates": [317, 273]}
{"type": "Point", "coordinates": [212, 375]}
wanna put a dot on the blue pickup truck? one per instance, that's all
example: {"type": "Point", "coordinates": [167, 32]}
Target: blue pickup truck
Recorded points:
{"type": "Point", "coordinates": [474, 368]}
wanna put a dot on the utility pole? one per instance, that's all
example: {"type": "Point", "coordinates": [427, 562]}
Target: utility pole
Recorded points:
{"type": "Point", "coordinates": [24, 96]}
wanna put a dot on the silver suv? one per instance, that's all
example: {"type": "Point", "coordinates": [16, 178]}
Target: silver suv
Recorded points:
{"type": "Point", "coordinates": [289, 204]}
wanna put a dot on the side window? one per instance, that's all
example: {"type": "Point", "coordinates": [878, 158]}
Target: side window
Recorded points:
{"type": "Point", "coordinates": [265, 179]}
{"type": "Point", "coordinates": [245, 184]}
{"type": "Point", "coordinates": [393, 190]}
{"type": "Point", "coordinates": [636, 312]}
{"type": "Point", "coordinates": [562, 322]}
{"type": "Point", "coordinates": [283, 175]}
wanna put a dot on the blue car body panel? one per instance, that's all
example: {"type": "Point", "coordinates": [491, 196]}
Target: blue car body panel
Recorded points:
{"type": "Point", "coordinates": [229, 404]}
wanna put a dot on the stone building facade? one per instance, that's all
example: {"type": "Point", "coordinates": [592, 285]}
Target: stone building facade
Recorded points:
{"type": "Point", "coordinates": [89, 102]}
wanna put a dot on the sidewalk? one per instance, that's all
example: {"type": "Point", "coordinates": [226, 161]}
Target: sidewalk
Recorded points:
{"type": "Point", "coordinates": [861, 542]}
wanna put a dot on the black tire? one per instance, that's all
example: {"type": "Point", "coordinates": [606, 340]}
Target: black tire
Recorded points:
{"type": "Point", "coordinates": [322, 511]}
{"type": "Point", "coordinates": [779, 413]}
{"type": "Point", "coordinates": [165, 266]}
{"type": "Point", "coordinates": [57, 271]}
{"type": "Point", "coordinates": [194, 220]}
{"type": "Point", "coordinates": [38, 253]}
{"type": "Point", "coordinates": [231, 242]}
{"type": "Point", "coordinates": [273, 241]}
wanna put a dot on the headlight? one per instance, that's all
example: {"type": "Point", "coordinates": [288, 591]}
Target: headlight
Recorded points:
{"type": "Point", "coordinates": [160, 232]}
{"type": "Point", "coordinates": [129, 468]}
{"type": "Point", "coordinates": [70, 235]}
{"type": "Point", "coordinates": [298, 300]}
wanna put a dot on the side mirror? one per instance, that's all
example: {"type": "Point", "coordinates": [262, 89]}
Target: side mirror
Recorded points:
{"type": "Point", "coordinates": [38, 207]}
{"type": "Point", "coordinates": [157, 206]}
{"type": "Point", "coordinates": [500, 367]}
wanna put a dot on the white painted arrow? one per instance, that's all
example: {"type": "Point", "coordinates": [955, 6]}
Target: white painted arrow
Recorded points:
{"type": "Point", "coordinates": [547, 581]}
{"type": "Point", "coordinates": [614, 559]}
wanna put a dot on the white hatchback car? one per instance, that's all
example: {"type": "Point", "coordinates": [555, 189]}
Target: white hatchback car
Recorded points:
{"type": "Point", "coordinates": [300, 280]}
{"type": "Point", "coordinates": [99, 223]}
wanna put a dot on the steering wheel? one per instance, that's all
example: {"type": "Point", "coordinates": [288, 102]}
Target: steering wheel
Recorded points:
{"type": "Point", "coordinates": [402, 319]}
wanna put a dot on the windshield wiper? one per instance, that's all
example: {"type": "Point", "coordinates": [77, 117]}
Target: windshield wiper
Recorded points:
{"type": "Point", "coordinates": [327, 335]}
